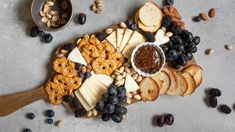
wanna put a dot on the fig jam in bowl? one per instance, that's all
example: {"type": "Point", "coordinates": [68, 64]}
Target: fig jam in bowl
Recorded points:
{"type": "Point", "coordinates": [147, 59]}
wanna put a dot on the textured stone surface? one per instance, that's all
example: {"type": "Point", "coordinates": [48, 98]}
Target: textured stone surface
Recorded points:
{"type": "Point", "coordinates": [25, 63]}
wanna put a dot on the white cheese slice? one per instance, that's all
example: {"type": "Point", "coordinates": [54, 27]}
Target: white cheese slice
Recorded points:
{"type": "Point", "coordinates": [161, 38]}
{"type": "Point", "coordinates": [135, 40]}
{"type": "Point", "coordinates": [92, 89]}
{"type": "Point", "coordinates": [82, 100]}
{"type": "Point", "coordinates": [130, 84]}
{"type": "Point", "coordinates": [76, 56]}
{"type": "Point", "coordinates": [119, 36]}
{"type": "Point", "coordinates": [112, 39]}
{"type": "Point", "coordinates": [88, 96]}
{"type": "Point", "coordinates": [126, 38]}
{"type": "Point", "coordinates": [99, 87]}
{"type": "Point", "coordinates": [104, 79]}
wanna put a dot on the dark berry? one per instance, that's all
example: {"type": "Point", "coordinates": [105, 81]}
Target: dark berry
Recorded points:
{"type": "Point", "coordinates": [212, 101]}
{"type": "Point", "coordinates": [176, 40]}
{"type": "Point", "coordinates": [34, 31]}
{"type": "Point", "coordinates": [169, 119]}
{"type": "Point", "coordinates": [196, 40]}
{"type": "Point", "coordinates": [87, 75]}
{"type": "Point", "coordinates": [69, 46]}
{"type": "Point", "coordinates": [67, 98]}
{"type": "Point", "coordinates": [129, 22]}
{"type": "Point", "coordinates": [194, 50]}
{"type": "Point", "coordinates": [80, 112]}
{"type": "Point", "coordinates": [121, 110]}
{"type": "Point", "coordinates": [189, 56]}
{"type": "Point", "coordinates": [168, 2]}
{"type": "Point", "coordinates": [166, 21]}
{"type": "Point", "coordinates": [225, 109]}
{"type": "Point", "coordinates": [112, 90]}
{"type": "Point", "coordinates": [189, 37]}
{"type": "Point", "coordinates": [122, 100]}
{"type": "Point", "coordinates": [169, 58]}
{"type": "Point", "coordinates": [100, 105]}
{"type": "Point", "coordinates": [173, 54]}
{"type": "Point", "coordinates": [105, 97]}
{"type": "Point", "coordinates": [197, 19]}
{"type": "Point", "coordinates": [113, 99]}
{"type": "Point", "coordinates": [160, 121]}
{"type": "Point", "coordinates": [78, 67]}
{"type": "Point", "coordinates": [121, 91]}
{"type": "Point", "coordinates": [165, 48]}
{"type": "Point", "coordinates": [149, 37]}
{"type": "Point", "coordinates": [105, 117]}
{"type": "Point", "coordinates": [169, 44]}
{"type": "Point", "coordinates": [75, 103]}
{"type": "Point", "coordinates": [81, 75]}
{"type": "Point", "coordinates": [101, 36]}
{"type": "Point", "coordinates": [214, 92]}
{"type": "Point", "coordinates": [27, 130]}
{"type": "Point", "coordinates": [182, 60]}
{"type": "Point", "coordinates": [184, 35]}
{"type": "Point", "coordinates": [175, 65]}
{"type": "Point", "coordinates": [133, 26]}
{"type": "Point", "coordinates": [116, 118]}
{"type": "Point", "coordinates": [176, 30]}
{"type": "Point", "coordinates": [30, 116]}
{"type": "Point", "coordinates": [40, 33]}
{"type": "Point", "coordinates": [47, 38]}
{"type": "Point", "coordinates": [172, 26]}
{"type": "Point", "coordinates": [50, 113]}
{"type": "Point", "coordinates": [49, 121]}
{"type": "Point", "coordinates": [81, 18]}
{"type": "Point", "coordinates": [180, 47]}
{"type": "Point", "coordinates": [110, 108]}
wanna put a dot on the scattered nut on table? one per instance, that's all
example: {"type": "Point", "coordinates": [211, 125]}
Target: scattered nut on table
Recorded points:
{"type": "Point", "coordinates": [228, 47]}
{"type": "Point", "coordinates": [209, 51]}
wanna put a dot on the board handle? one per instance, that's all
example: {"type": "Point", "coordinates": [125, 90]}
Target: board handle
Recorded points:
{"type": "Point", "coordinates": [13, 102]}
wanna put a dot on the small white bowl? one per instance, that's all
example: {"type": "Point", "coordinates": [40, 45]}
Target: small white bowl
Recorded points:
{"type": "Point", "coordinates": [163, 58]}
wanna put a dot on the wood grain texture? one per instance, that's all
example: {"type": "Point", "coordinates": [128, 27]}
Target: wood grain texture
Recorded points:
{"type": "Point", "coordinates": [13, 102]}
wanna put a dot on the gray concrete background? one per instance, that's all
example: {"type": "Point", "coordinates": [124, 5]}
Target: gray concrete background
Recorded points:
{"type": "Point", "coordinates": [24, 65]}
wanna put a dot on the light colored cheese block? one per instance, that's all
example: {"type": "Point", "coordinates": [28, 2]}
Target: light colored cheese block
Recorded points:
{"type": "Point", "coordinates": [92, 89]}
{"type": "Point", "coordinates": [100, 86]}
{"type": "Point", "coordinates": [76, 56]}
{"type": "Point", "coordinates": [105, 79]}
{"type": "Point", "coordinates": [88, 96]}
{"type": "Point", "coordinates": [130, 84]}
{"type": "Point", "coordinates": [135, 40]}
{"type": "Point", "coordinates": [161, 38]}
{"type": "Point", "coordinates": [82, 100]}
{"type": "Point", "coordinates": [119, 36]}
{"type": "Point", "coordinates": [150, 14]}
{"type": "Point", "coordinates": [126, 38]}
{"type": "Point", "coordinates": [112, 39]}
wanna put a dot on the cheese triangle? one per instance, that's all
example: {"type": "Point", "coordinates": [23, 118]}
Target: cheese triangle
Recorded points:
{"type": "Point", "coordinates": [119, 36]}
{"type": "Point", "coordinates": [161, 38]}
{"type": "Point", "coordinates": [125, 39]}
{"type": "Point", "coordinates": [112, 39]}
{"type": "Point", "coordinates": [136, 39]}
{"type": "Point", "coordinates": [76, 56]}
{"type": "Point", "coordinates": [130, 84]}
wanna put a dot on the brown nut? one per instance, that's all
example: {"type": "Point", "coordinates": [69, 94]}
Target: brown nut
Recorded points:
{"type": "Point", "coordinates": [212, 12]}
{"type": "Point", "coordinates": [204, 16]}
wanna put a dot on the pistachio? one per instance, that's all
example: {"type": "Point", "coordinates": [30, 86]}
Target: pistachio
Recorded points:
{"type": "Point", "coordinates": [228, 47]}
{"type": "Point", "coordinates": [128, 95]}
{"type": "Point", "coordinates": [94, 112]}
{"type": "Point", "coordinates": [121, 69]}
{"type": "Point", "coordinates": [137, 97]}
{"type": "Point", "coordinates": [89, 113]}
{"type": "Point", "coordinates": [128, 101]}
{"type": "Point", "coordinates": [124, 74]}
{"type": "Point", "coordinates": [59, 123]}
{"type": "Point", "coordinates": [50, 3]}
{"type": "Point", "coordinates": [55, 18]}
{"type": "Point", "coordinates": [209, 51]}
{"type": "Point", "coordinates": [134, 93]}
{"type": "Point", "coordinates": [119, 77]}
{"type": "Point", "coordinates": [44, 19]}
{"type": "Point", "coordinates": [139, 78]}
{"type": "Point", "coordinates": [134, 76]}
{"type": "Point", "coordinates": [127, 70]}
{"type": "Point", "coordinates": [164, 29]}
{"type": "Point", "coordinates": [109, 31]}
{"type": "Point", "coordinates": [93, 7]}
{"type": "Point", "coordinates": [168, 34]}
{"type": "Point", "coordinates": [124, 116]}
{"type": "Point", "coordinates": [48, 15]}
{"type": "Point", "coordinates": [42, 13]}
{"type": "Point", "coordinates": [49, 23]}
{"type": "Point", "coordinates": [122, 25]}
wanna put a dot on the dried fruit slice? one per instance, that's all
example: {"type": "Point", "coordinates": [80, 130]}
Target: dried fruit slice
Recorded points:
{"type": "Point", "coordinates": [196, 72]}
{"type": "Point", "coordinates": [173, 78]}
{"type": "Point", "coordinates": [149, 89]}
{"type": "Point", "coordinates": [191, 83]}
{"type": "Point", "coordinates": [150, 15]}
{"type": "Point", "coordinates": [182, 86]}
{"type": "Point", "coordinates": [163, 81]}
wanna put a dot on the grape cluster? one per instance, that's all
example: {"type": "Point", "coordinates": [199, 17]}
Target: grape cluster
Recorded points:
{"type": "Point", "coordinates": [179, 50]}
{"type": "Point", "coordinates": [111, 104]}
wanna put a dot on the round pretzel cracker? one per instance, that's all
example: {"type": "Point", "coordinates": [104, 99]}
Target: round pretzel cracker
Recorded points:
{"type": "Point", "coordinates": [62, 65]}
{"type": "Point", "coordinates": [101, 66]}
{"type": "Point", "coordinates": [118, 58]}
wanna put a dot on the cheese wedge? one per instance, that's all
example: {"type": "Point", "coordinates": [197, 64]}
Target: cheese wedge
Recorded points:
{"type": "Point", "coordinates": [76, 56]}
{"type": "Point", "coordinates": [101, 86]}
{"type": "Point", "coordinates": [82, 100]}
{"type": "Point", "coordinates": [161, 38]}
{"type": "Point", "coordinates": [119, 36]}
{"type": "Point", "coordinates": [112, 39]}
{"type": "Point", "coordinates": [125, 39]}
{"type": "Point", "coordinates": [92, 89]}
{"type": "Point", "coordinates": [135, 40]}
{"type": "Point", "coordinates": [88, 96]}
{"type": "Point", "coordinates": [104, 79]}
{"type": "Point", "coordinates": [130, 84]}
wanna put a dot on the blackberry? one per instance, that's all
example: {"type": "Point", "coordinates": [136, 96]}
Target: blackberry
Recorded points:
{"type": "Point", "coordinates": [49, 121]}
{"type": "Point", "coordinates": [40, 33]}
{"type": "Point", "coordinates": [214, 92]}
{"type": "Point", "coordinates": [75, 103]}
{"type": "Point", "coordinates": [78, 67]}
{"type": "Point", "coordinates": [212, 102]}
{"type": "Point", "coordinates": [160, 121]}
{"type": "Point", "coordinates": [27, 130]}
{"type": "Point", "coordinates": [101, 36]}
{"type": "Point", "coordinates": [168, 2]}
{"type": "Point", "coordinates": [30, 116]}
{"type": "Point", "coordinates": [129, 22]}
{"type": "Point", "coordinates": [67, 98]}
{"type": "Point", "coordinates": [105, 117]}
{"type": "Point", "coordinates": [166, 21]}
{"type": "Point", "coordinates": [80, 112]}
{"type": "Point", "coordinates": [225, 109]}
{"type": "Point", "coordinates": [197, 19]}
{"type": "Point", "coordinates": [133, 26]}
{"type": "Point", "coordinates": [69, 46]}
{"type": "Point", "coordinates": [50, 113]}
{"type": "Point", "coordinates": [177, 30]}
{"type": "Point", "coordinates": [34, 31]}
{"type": "Point", "coordinates": [47, 38]}
{"type": "Point", "coordinates": [149, 36]}
{"type": "Point", "coordinates": [169, 119]}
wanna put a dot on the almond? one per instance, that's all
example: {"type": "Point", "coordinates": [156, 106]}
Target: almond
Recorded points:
{"type": "Point", "coordinates": [204, 16]}
{"type": "Point", "coordinates": [212, 12]}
